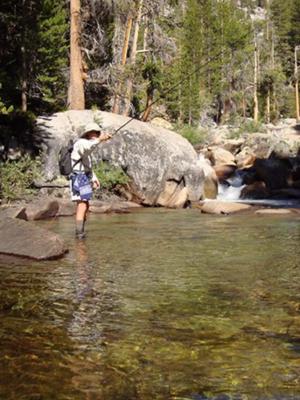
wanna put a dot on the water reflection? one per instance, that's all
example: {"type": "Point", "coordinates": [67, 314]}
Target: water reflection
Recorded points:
{"type": "Point", "coordinates": [157, 305]}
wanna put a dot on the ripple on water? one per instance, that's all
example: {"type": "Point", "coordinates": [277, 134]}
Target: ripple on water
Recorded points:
{"type": "Point", "coordinates": [156, 305]}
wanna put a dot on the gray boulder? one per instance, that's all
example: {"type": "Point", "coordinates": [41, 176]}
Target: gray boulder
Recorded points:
{"type": "Point", "coordinates": [42, 209]}
{"type": "Point", "coordinates": [157, 161]}
{"type": "Point", "coordinates": [21, 238]}
{"type": "Point", "coordinates": [279, 144]}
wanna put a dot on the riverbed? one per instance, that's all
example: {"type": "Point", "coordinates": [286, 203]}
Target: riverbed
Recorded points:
{"type": "Point", "coordinates": [156, 304]}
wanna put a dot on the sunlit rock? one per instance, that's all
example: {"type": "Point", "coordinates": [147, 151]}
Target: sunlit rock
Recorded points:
{"type": "Point", "coordinates": [220, 207]}
{"type": "Point", "coordinates": [21, 238]}
{"type": "Point", "coordinates": [150, 155]}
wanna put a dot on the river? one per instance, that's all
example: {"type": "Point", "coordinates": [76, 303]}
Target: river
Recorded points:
{"type": "Point", "coordinates": [156, 304]}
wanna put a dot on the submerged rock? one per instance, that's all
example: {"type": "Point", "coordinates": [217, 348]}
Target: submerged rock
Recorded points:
{"type": "Point", "coordinates": [103, 207]}
{"type": "Point", "coordinates": [273, 211]}
{"type": "Point", "coordinates": [220, 207]}
{"type": "Point", "coordinates": [23, 239]}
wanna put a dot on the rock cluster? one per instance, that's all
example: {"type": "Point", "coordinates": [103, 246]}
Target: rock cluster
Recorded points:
{"type": "Point", "coordinates": [22, 238]}
{"type": "Point", "coordinates": [268, 163]}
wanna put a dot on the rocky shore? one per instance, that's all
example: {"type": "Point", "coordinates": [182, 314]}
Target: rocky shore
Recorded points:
{"type": "Point", "coordinates": [265, 165]}
{"type": "Point", "coordinates": [164, 170]}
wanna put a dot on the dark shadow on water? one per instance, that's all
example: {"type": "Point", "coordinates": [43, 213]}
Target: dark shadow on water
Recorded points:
{"type": "Point", "coordinates": [297, 128]}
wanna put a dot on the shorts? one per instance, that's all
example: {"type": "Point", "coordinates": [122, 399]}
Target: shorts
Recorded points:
{"type": "Point", "coordinates": [81, 187]}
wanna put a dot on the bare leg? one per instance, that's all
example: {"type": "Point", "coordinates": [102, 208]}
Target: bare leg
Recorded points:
{"type": "Point", "coordinates": [81, 214]}
{"type": "Point", "coordinates": [81, 210]}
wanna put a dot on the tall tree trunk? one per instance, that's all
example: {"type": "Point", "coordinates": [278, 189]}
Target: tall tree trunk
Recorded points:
{"type": "Point", "coordinates": [190, 102]}
{"type": "Point", "coordinates": [133, 57]}
{"type": "Point", "coordinates": [297, 84]}
{"type": "Point", "coordinates": [244, 107]}
{"type": "Point", "coordinates": [116, 105]}
{"type": "Point", "coordinates": [76, 100]}
{"type": "Point", "coordinates": [24, 80]}
{"type": "Point", "coordinates": [268, 107]}
{"type": "Point", "coordinates": [268, 100]}
{"type": "Point", "coordinates": [146, 114]}
{"type": "Point", "coordinates": [24, 72]}
{"type": "Point", "coordinates": [255, 95]}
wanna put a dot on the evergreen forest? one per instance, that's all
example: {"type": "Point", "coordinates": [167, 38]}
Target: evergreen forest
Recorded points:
{"type": "Point", "coordinates": [196, 59]}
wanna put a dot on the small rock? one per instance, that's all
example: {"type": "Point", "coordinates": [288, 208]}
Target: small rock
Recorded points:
{"type": "Point", "coordinates": [273, 211]}
{"type": "Point", "coordinates": [222, 157]}
{"type": "Point", "coordinates": [245, 158]}
{"type": "Point", "coordinates": [66, 208]}
{"type": "Point", "coordinates": [224, 171]}
{"type": "Point", "coordinates": [219, 207]}
{"type": "Point", "coordinates": [100, 209]}
{"type": "Point", "coordinates": [233, 145]}
{"type": "Point", "coordinates": [42, 209]}
{"type": "Point", "coordinates": [13, 212]}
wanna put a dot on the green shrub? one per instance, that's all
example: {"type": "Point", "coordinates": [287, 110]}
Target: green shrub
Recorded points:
{"type": "Point", "coordinates": [193, 134]}
{"type": "Point", "coordinates": [110, 176]}
{"type": "Point", "coordinates": [250, 126]}
{"type": "Point", "coordinates": [16, 177]}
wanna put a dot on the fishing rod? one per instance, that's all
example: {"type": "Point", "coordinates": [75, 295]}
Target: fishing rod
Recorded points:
{"type": "Point", "coordinates": [163, 94]}
{"type": "Point", "coordinates": [195, 71]}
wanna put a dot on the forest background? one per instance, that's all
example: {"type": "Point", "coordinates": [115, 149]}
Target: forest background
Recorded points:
{"type": "Point", "coordinates": [228, 59]}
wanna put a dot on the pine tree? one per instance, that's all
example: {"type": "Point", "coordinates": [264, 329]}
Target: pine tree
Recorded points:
{"type": "Point", "coordinates": [33, 52]}
{"type": "Point", "coordinates": [52, 52]}
{"type": "Point", "coordinates": [282, 19]}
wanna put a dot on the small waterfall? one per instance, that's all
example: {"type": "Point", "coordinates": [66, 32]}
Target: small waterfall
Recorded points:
{"type": "Point", "coordinates": [231, 189]}
{"type": "Point", "coordinates": [228, 192]}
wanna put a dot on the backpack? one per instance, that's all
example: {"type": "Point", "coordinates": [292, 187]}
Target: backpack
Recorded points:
{"type": "Point", "coordinates": [64, 159]}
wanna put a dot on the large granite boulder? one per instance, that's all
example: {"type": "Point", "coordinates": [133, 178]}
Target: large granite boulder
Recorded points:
{"type": "Point", "coordinates": [21, 238]}
{"type": "Point", "coordinates": [161, 164]}
{"type": "Point", "coordinates": [281, 145]}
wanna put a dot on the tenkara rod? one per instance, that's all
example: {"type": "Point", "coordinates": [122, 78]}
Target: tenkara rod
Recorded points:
{"type": "Point", "coordinates": [177, 84]}
{"type": "Point", "coordinates": [171, 89]}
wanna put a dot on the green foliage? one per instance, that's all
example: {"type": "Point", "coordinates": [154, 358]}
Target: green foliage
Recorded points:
{"type": "Point", "coordinates": [214, 41]}
{"type": "Point", "coordinates": [52, 52]}
{"type": "Point", "coordinates": [250, 126]}
{"type": "Point", "coordinates": [33, 51]}
{"type": "Point", "coordinates": [193, 134]}
{"type": "Point", "coordinates": [4, 109]}
{"type": "Point", "coordinates": [110, 176]}
{"type": "Point", "coordinates": [17, 177]}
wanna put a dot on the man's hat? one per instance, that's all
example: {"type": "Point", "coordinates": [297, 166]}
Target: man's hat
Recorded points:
{"type": "Point", "coordinates": [91, 127]}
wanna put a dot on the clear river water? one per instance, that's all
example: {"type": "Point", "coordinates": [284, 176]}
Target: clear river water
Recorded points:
{"type": "Point", "coordinates": [156, 304]}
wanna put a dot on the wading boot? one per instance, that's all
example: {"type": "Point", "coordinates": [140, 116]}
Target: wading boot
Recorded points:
{"type": "Point", "coordinates": [79, 231]}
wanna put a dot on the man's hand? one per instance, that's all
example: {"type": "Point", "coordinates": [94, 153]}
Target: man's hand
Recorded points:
{"type": "Point", "coordinates": [96, 184]}
{"type": "Point", "coordinates": [104, 136]}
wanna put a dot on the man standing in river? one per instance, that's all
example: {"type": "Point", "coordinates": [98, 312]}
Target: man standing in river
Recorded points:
{"type": "Point", "coordinates": [83, 179]}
